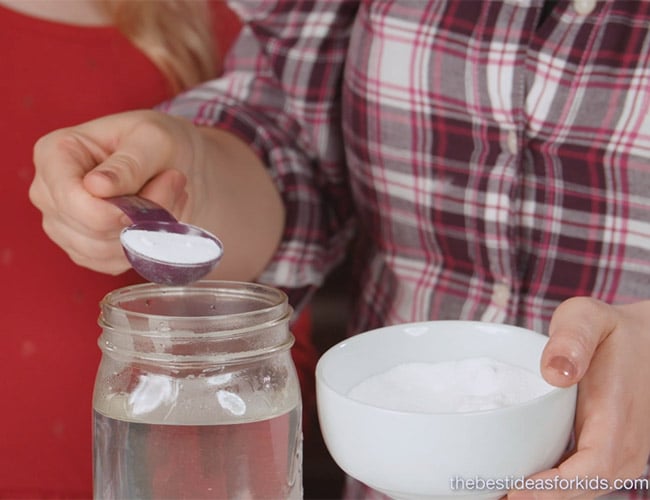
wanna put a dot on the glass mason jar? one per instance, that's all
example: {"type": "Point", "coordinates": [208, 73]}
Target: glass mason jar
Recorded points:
{"type": "Point", "coordinates": [196, 395]}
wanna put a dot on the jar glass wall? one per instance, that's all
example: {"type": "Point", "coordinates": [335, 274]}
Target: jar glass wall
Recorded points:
{"type": "Point", "coordinates": [196, 395]}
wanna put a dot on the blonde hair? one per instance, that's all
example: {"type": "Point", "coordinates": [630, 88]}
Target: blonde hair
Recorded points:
{"type": "Point", "coordinates": [177, 35]}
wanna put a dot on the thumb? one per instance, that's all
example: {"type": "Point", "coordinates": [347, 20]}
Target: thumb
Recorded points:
{"type": "Point", "coordinates": [578, 326]}
{"type": "Point", "coordinates": [140, 153]}
{"type": "Point", "coordinates": [115, 176]}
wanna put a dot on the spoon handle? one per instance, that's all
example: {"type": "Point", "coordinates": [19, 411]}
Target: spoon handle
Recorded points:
{"type": "Point", "coordinates": [139, 209]}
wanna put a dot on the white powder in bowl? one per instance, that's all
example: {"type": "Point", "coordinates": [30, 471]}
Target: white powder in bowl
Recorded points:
{"type": "Point", "coordinates": [470, 384]}
{"type": "Point", "coordinates": [172, 248]}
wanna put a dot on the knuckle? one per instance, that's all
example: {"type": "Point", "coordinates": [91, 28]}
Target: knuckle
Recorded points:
{"type": "Point", "coordinates": [127, 166]}
{"type": "Point", "coordinates": [34, 194]}
{"type": "Point", "coordinates": [587, 306]}
{"type": "Point", "coordinates": [42, 144]}
{"type": "Point", "coordinates": [589, 316]}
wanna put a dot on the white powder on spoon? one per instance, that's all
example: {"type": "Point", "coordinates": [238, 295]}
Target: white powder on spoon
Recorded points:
{"type": "Point", "coordinates": [465, 385]}
{"type": "Point", "coordinates": [173, 248]}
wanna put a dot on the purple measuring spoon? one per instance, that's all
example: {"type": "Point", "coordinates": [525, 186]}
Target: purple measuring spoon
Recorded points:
{"type": "Point", "coordinates": [150, 218]}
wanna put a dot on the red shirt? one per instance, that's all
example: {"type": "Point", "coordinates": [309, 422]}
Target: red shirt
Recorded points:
{"type": "Point", "coordinates": [55, 75]}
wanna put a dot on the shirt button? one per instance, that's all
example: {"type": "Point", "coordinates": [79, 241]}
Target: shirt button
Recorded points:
{"type": "Point", "coordinates": [584, 7]}
{"type": "Point", "coordinates": [512, 142]}
{"type": "Point", "coordinates": [501, 294]}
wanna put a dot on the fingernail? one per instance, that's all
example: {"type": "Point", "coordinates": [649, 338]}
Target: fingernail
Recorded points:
{"type": "Point", "coordinates": [564, 366]}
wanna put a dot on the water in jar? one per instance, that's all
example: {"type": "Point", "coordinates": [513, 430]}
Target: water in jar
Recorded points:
{"type": "Point", "coordinates": [237, 460]}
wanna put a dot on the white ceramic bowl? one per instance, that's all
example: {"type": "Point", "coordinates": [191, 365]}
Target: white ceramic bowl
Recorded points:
{"type": "Point", "coordinates": [426, 455]}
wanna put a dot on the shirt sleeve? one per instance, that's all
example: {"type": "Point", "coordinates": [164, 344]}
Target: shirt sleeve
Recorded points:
{"type": "Point", "coordinates": [281, 94]}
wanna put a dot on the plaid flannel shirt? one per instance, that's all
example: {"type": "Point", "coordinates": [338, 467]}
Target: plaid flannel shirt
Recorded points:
{"type": "Point", "coordinates": [490, 163]}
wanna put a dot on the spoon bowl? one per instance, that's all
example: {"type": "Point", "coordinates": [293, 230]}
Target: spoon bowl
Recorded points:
{"type": "Point", "coordinates": [162, 249]}
{"type": "Point", "coordinates": [166, 271]}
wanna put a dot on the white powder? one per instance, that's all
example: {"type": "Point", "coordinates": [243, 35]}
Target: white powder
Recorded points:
{"type": "Point", "coordinates": [470, 384]}
{"type": "Point", "coordinates": [173, 248]}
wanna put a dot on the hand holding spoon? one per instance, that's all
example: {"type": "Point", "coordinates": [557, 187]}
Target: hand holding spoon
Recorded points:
{"type": "Point", "coordinates": [160, 248]}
